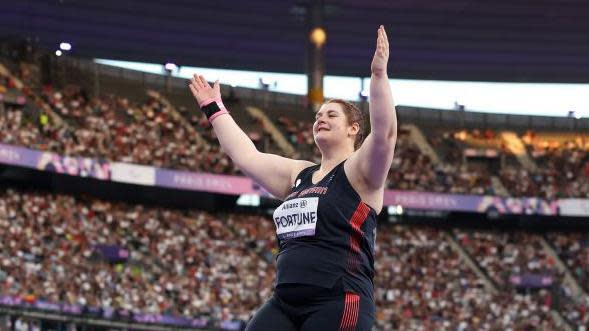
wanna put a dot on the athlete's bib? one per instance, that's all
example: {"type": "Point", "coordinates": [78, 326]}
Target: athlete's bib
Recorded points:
{"type": "Point", "coordinates": [296, 218]}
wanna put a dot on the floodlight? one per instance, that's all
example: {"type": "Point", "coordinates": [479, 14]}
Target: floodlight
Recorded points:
{"type": "Point", "coordinates": [64, 46]}
{"type": "Point", "coordinates": [170, 66]}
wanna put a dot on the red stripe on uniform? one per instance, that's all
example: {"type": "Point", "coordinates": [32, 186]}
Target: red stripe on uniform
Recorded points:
{"type": "Point", "coordinates": [343, 323]}
{"type": "Point", "coordinates": [360, 215]}
{"type": "Point", "coordinates": [350, 315]}
{"type": "Point", "coordinates": [356, 311]}
{"type": "Point", "coordinates": [346, 316]}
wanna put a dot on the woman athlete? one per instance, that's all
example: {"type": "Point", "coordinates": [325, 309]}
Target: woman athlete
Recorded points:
{"type": "Point", "coordinates": [326, 226]}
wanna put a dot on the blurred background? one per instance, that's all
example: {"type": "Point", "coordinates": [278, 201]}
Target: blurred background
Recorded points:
{"type": "Point", "coordinates": [119, 211]}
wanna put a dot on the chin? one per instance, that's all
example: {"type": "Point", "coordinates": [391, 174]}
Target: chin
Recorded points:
{"type": "Point", "coordinates": [318, 140]}
{"type": "Point", "coordinates": [322, 140]}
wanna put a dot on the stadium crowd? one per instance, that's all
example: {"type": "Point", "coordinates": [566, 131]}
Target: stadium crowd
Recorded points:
{"type": "Point", "coordinates": [193, 263]}
{"type": "Point", "coordinates": [562, 172]}
{"type": "Point", "coordinates": [573, 250]}
{"type": "Point", "coordinates": [423, 284]}
{"type": "Point", "coordinates": [221, 266]}
{"type": "Point", "coordinates": [117, 129]}
{"type": "Point", "coordinates": [414, 170]}
{"type": "Point", "coordinates": [411, 169]}
{"type": "Point", "coordinates": [120, 130]}
{"type": "Point", "coordinates": [503, 255]}
{"type": "Point", "coordinates": [111, 128]}
{"type": "Point", "coordinates": [179, 263]}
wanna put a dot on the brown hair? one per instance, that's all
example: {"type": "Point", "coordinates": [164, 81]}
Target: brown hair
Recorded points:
{"type": "Point", "coordinates": [354, 115]}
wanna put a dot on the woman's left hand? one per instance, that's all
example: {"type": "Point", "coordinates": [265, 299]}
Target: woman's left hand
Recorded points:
{"type": "Point", "coordinates": [202, 91]}
{"type": "Point", "coordinates": [381, 54]}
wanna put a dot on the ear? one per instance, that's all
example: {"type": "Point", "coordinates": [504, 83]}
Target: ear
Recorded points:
{"type": "Point", "coordinates": [353, 129]}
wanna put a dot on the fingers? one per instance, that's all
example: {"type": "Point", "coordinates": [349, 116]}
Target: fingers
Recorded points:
{"type": "Point", "coordinates": [382, 43]}
{"type": "Point", "coordinates": [199, 82]}
{"type": "Point", "coordinates": [196, 81]}
{"type": "Point", "coordinates": [385, 38]}
{"type": "Point", "coordinates": [201, 89]}
{"type": "Point", "coordinates": [380, 47]}
{"type": "Point", "coordinates": [204, 81]}
{"type": "Point", "coordinates": [379, 38]}
{"type": "Point", "coordinates": [195, 85]}
{"type": "Point", "coordinates": [194, 91]}
{"type": "Point", "coordinates": [382, 36]}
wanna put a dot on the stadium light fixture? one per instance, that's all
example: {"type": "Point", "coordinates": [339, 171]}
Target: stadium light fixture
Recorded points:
{"type": "Point", "coordinates": [318, 36]}
{"type": "Point", "coordinates": [58, 52]}
{"type": "Point", "coordinates": [169, 66]}
{"type": "Point", "coordinates": [65, 46]}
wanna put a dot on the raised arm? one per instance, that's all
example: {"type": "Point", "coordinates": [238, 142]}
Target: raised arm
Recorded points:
{"type": "Point", "coordinates": [275, 173]}
{"type": "Point", "coordinates": [373, 159]}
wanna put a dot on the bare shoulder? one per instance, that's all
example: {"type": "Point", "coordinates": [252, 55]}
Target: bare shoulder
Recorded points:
{"type": "Point", "coordinates": [372, 196]}
{"type": "Point", "coordinates": [297, 167]}
{"type": "Point", "coordinates": [351, 167]}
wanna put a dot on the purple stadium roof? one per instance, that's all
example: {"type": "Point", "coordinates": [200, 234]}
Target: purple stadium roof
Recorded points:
{"type": "Point", "coordinates": [506, 40]}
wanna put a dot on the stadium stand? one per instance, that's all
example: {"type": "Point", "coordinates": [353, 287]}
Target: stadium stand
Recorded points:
{"type": "Point", "coordinates": [58, 247]}
{"type": "Point", "coordinates": [220, 266]}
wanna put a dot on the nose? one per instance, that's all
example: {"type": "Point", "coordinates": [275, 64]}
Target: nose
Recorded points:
{"type": "Point", "coordinates": [318, 122]}
{"type": "Point", "coordinates": [320, 119]}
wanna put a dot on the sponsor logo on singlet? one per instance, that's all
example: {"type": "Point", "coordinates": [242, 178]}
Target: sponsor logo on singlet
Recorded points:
{"type": "Point", "coordinates": [296, 218]}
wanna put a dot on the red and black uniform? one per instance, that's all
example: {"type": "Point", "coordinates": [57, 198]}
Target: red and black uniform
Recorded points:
{"type": "Point", "coordinates": [325, 266]}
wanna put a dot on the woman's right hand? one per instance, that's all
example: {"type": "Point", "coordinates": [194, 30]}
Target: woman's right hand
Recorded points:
{"type": "Point", "coordinates": [274, 173]}
{"type": "Point", "coordinates": [381, 54]}
{"type": "Point", "coordinates": [202, 91]}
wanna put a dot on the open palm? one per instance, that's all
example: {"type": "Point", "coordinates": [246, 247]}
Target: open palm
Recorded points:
{"type": "Point", "coordinates": [202, 91]}
{"type": "Point", "coordinates": [381, 54]}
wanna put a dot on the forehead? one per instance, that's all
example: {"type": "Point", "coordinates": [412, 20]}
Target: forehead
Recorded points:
{"type": "Point", "coordinates": [327, 107]}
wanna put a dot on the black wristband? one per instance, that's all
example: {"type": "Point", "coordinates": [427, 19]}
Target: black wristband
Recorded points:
{"type": "Point", "coordinates": [210, 109]}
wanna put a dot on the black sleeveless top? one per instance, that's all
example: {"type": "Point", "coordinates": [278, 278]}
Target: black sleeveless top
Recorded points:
{"type": "Point", "coordinates": [326, 233]}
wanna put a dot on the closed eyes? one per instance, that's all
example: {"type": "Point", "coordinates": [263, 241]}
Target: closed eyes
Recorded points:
{"type": "Point", "coordinates": [330, 114]}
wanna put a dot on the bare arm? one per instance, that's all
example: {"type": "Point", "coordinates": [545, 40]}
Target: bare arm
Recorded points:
{"type": "Point", "coordinates": [373, 159]}
{"type": "Point", "coordinates": [275, 173]}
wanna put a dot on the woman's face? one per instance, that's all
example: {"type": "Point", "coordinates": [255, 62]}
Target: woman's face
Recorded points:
{"type": "Point", "coordinates": [331, 125]}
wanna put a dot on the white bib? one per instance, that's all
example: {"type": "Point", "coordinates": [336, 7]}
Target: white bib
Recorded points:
{"type": "Point", "coordinates": [296, 218]}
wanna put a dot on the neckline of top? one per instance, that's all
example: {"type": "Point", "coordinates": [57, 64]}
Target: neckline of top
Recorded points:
{"type": "Point", "coordinates": [326, 175]}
